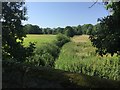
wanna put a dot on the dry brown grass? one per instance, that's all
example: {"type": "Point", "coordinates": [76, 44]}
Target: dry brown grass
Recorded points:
{"type": "Point", "coordinates": [81, 38]}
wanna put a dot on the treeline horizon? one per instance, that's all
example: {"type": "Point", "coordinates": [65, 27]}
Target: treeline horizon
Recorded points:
{"type": "Point", "coordinates": [88, 29]}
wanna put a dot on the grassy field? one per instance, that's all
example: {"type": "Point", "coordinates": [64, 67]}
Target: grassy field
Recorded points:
{"type": "Point", "coordinates": [39, 39]}
{"type": "Point", "coordinates": [82, 38]}
{"type": "Point", "coordinates": [79, 56]}
{"type": "Point", "coordinates": [78, 66]}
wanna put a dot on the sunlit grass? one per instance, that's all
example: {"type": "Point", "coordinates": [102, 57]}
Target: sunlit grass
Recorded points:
{"type": "Point", "coordinates": [79, 56]}
{"type": "Point", "coordinates": [38, 39]}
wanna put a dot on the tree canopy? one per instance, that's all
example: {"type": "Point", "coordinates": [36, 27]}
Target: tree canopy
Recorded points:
{"type": "Point", "coordinates": [107, 37]}
{"type": "Point", "coordinates": [12, 31]}
{"type": "Point", "coordinates": [69, 31]}
{"type": "Point", "coordinates": [32, 29]}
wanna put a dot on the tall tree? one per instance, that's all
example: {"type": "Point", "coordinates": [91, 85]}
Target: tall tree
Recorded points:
{"type": "Point", "coordinates": [59, 30]}
{"type": "Point", "coordinates": [95, 28]}
{"type": "Point", "coordinates": [87, 28]}
{"type": "Point", "coordinates": [69, 31]}
{"type": "Point", "coordinates": [32, 29]}
{"type": "Point", "coordinates": [107, 37]}
{"type": "Point", "coordinates": [12, 31]}
{"type": "Point", "coordinates": [79, 30]}
{"type": "Point", "coordinates": [27, 28]}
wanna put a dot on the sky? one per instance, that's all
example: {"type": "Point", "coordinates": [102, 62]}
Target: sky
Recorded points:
{"type": "Point", "coordinates": [62, 14]}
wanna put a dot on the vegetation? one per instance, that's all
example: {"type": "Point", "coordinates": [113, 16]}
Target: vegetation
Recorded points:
{"type": "Point", "coordinates": [38, 39]}
{"type": "Point", "coordinates": [61, 40]}
{"type": "Point", "coordinates": [46, 53]}
{"type": "Point", "coordinates": [107, 37]}
{"type": "Point", "coordinates": [78, 30]}
{"type": "Point", "coordinates": [68, 30]}
{"type": "Point", "coordinates": [28, 65]}
{"type": "Point", "coordinates": [79, 56]}
{"type": "Point", "coordinates": [42, 77]}
{"type": "Point", "coordinates": [12, 30]}
{"type": "Point", "coordinates": [32, 29]}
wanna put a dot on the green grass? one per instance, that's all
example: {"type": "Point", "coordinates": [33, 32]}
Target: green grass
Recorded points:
{"type": "Point", "coordinates": [39, 39]}
{"type": "Point", "coordinates": [79, 56]}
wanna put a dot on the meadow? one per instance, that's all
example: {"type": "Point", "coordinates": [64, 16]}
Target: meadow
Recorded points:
{"type": "Point", "coordinates": [39, 39]}
{"type": "Point", "coordinates": [79, 56]}
{"type": "Point", "coordinates": [71, 64]}
{"type": "Point", "coordinates": [60, 54]}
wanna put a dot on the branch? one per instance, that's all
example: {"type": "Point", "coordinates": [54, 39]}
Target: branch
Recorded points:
{"type": "Point", "coordinates": [93, 4]}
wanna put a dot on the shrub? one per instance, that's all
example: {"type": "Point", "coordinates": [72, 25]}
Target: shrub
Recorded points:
{"type": "Point", "coordinates": [48, 52]}
{"type": "Point", "coordinates": [69, 31]}
{"type": "Point", "coordinates": [45, 55]}
{"type": "Point", "coordinates": [49, 48]}
{"type": "Point", "coordinates": [61, 40]}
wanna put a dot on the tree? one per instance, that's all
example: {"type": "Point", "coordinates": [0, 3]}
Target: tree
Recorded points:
{"type": "Point", "coordinates": [107, 37]}
{"type": "Point", "coordinates": [44, 31]}
{"type": "Point", "coordinates": [49, 30]}
{"type": "Point", "coordinates": [54, 31]}
{"type": "Point", "coordinates": [35, 30]}
{"type": "Point", "coordinates": [27, 28]}
{"type": "Point", "coordinates": [79, 30]}
{"type": "Point", "coordinates": [84, 28]}
{"type": "Point", "coordinates": [12, 32]}
{"type": "Point", "coordinates": [32, 29]}
{"type": "Point", "coordinates": [60, 30]}
{"type": "Point", "coordinates": [61, 40]}
{"type": "Point", "coordinates": [87, 29]}
{"type": "Point", "coordinates": [69, 31]}
{"type": "Point", "coordinates": [95, 29]}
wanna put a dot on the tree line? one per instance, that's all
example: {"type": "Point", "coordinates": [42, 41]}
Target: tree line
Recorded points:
{"type": "Point", "coordinates": [70, 31]}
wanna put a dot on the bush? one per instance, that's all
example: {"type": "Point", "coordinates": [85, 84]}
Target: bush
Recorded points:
{"type": "Point", "coordinates": [49, 48]}
{"type": "Point", "coordinates": [48, 52]}
{"type": "Point", "coordinates": [45, 55]}
{"type": "Point", "coordinates": [61, 40]}
{"type": "Point", "coordinates": [69, 31]}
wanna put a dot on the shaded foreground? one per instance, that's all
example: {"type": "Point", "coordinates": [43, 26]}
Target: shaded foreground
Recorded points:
{"type": "Point", "coordinates": [24, 76]}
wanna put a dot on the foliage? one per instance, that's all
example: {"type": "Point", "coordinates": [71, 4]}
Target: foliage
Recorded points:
{"type": "Point", "coordinates": [107, 38]}
{"type": "Point", "coordinates": [79, 56]}
{"type": "Point", "coordinates": [61, 40]}
{"type": "Point", "coordinates": [79, 30]}
{"type": "Point", "coordinates": [47, 31]}
{"type": "Point", "coordinates": [32, 29]}
{"type": "Point", "coordinates": [87, 29]}
{"type": "Point", "coordinates": [45, 55]}
{"type": "Point", "coordinates": [60, 30]}
{"type": "Point", "coordinates": [12, 31]}
{"type": "Point", "coordinates": [95, 29]}
{"type": "Point", "coordinates": [69, 31]}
